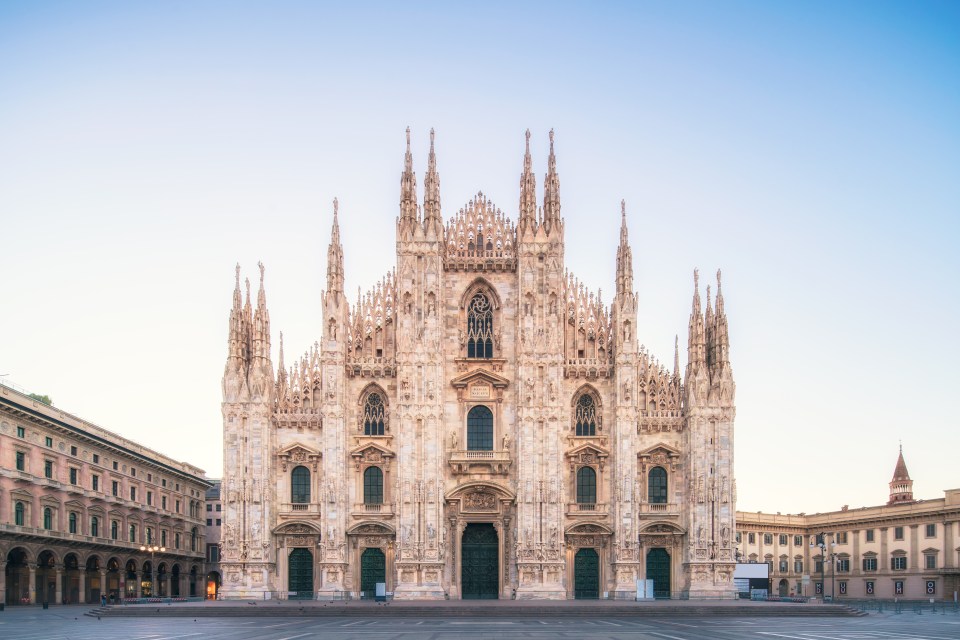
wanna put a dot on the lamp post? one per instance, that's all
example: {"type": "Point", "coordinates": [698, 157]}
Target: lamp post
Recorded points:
{"type": "Point", "coordinates": [153, 549]}
{"type": "Point", "coordinates": [821, 541]}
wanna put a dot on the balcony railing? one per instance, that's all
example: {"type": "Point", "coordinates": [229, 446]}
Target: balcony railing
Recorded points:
{"type": "Point", "coordinates": [586, 508]}
{"type": "Point", "coordinates": [465, 461]}
{"type": "Point", "coordinates": [659, 508]}
{"type": "Point", "coordinates": [299, 508]}
{"type": "Point", "coordinates": [363, 510]}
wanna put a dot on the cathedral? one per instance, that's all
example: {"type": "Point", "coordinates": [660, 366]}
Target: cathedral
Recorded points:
{"type": "Point", "coordinates": [478, 425]}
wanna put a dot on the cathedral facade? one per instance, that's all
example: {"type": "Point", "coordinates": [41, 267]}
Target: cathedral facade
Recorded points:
{"type": "Point", "coordinates": [478, 425]}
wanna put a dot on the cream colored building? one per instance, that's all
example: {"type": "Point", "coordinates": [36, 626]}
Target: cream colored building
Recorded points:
{"type": "Point", "coordinates": [906, 549]}
{"type": "Point", "coordinates": [478, 424]}
{"type": "Point", "coordinates": [76, 504]}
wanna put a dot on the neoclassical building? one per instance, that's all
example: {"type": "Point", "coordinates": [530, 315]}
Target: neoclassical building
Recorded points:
{"type": "Point", "coordinates": [77, 503]}
{"type": "Point", "coordinates": [906, 549]}
{"type": "Point", "coordinates": [479, 424]}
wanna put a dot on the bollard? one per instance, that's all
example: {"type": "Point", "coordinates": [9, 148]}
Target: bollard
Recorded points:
{"type": "Point", "coordinates": [46, 605]}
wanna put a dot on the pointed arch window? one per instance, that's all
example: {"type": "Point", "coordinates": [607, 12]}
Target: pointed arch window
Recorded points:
{"type": "Point", "coordinates": [586, 485]}
{"type": "Point", "coordinates": [657, 486]}
{"type": "Point", "coordinates": [374, 415]}
{"type": "Point", "coordinates": [18, 514]}
{"type": "Point", "coordinates": [586, 416]}
{"type": "Point", "coordinates": [480, 327]}
{"type": "Point", "coordinates": [300, 485]}
{"type": "Point", "coordinates": [480, 429]}
{"type": "Point", "coordinates": [373, 485]}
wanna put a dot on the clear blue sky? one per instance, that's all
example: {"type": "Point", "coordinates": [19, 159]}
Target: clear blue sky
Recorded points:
{"type": "Point", "coordinates": [811, 150]}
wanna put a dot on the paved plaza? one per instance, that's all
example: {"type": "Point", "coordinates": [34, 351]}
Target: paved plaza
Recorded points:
{"type": "Point", "coordinates": [70, 623]}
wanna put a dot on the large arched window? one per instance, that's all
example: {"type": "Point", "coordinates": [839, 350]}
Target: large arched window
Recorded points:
{"type": "Point", "coordinates": [586, 485]}
{"type": "Point", "coordinates": [657, 486]}
{"type": "Point", "coordinates": [47, 518]}
{"type": "Point", "coordinates": [373, 415]}
{"type": "Point", "coordinates": [373, 486]}
{"type": "Point", "coordinates": [114, 529]}
{"type": "Point", "coordinates": [480, 429]}
{"type": "Point", "coordinates": [72, 522]}
{"type": "Point", "coordinates": [586, 416]}
{"type": "Point", "coordinates": [480, 327]}
{"type": "Point", "coordinates": [300, 485]}
{"type": "Point", "coordinates": [95, 526]}
{"type": "Point", "coordinates": [18, 514]}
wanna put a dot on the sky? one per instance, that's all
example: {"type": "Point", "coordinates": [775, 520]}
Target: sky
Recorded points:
{"type": "Point", "coordinates": [810, 150]}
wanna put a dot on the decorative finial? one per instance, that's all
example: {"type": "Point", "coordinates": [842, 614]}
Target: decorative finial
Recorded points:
{"type": "Point", "coordinates": [718, 281]}
{"type": "Point", "coordinates": [623, 209]}
{"type": "Point", "coordinates": [551, 140]}
{"type": "Point", "coordinates": [408, 139]}
{"type": "Point", "coordinates": [238, 275]}
{"type": "Point", "coordinates": [260, 265]}
{"type": "Point", "coordinates": [247, 280]}
{"type": "Point", "coordinates": [431, 138]}
{"type": "Point", "coordinates": [696, 278]}
{"type": "Point", "coordinates": [528, 140]}
{"type": "Point", "coordinates": [336, 207]}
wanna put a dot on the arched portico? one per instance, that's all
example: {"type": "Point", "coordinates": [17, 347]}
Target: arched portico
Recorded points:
{"type": "Point", "coordinates": [304, 536]}
{"type": "Point", "coordinates": [661, 545]}
{"type": "Point", "coordinates": [582, 569]}
{"type": "Point", "coordinates": [373, 537]}
{"type": "Point", "coordinates": [480, 503]}
{"type": "Point", "coordinates": [17, 574]}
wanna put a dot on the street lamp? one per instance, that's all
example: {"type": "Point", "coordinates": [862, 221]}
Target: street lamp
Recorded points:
{"type": "Point", "coordinates": [821, 542]}
{"type": "Point", "coordinates": [153, 549]}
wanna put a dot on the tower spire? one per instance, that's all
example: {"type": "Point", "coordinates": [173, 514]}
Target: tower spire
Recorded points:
{"type": "Point", "coordinates": [261, 322]}
{"type": "Point", "coordinates": [528, 192]}
{"type": "Point", "coordinates": [335, 256]}
{"type": "Point", "coordinates": [408, 190]}
{"type": "Point", "coordinates": [901, 486]}
{"type": "Point", "coordinates": [721, 334]}
{"type": "Point", "coordinates": [624, 257]}
{"type": "Point", "coordinates": [551, 191]}
{"type": "Point", "coordinates": [236, 339]}
{"type": "Point", "coordinates": [695, 341]}
{"type": "Point", "coordinates": [431, 192]}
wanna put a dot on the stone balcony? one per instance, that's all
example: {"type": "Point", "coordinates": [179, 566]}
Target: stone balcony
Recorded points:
{"type": "Point", "coordinates": [371, 366]}
{"type": "Point", "coordinates": [492, 462]}
{"type": "Point", "coordinates": [298, 509]}
{"type": "Point", "coordinates": [589, 368]}
{"type": "Point", "coordinates": [364, 511]}
{"type": "Point", "coordinates": [591, 509]}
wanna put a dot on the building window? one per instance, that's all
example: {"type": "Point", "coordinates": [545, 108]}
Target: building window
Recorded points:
{"type": "Point", "coordinates": [751, 538]}
{"type": "Point", "coordinates": [783, 539]}
{"type": "Point", "coordinates": [163, 502]}
{"type": "Point", "coordinates": [798, 566]}
{"type": "Point", "coordinates": [18, 514]}
{"type": "Point", "coordinates": [218, 507]}
{"type": "Point", "coordinates": [210, 506]}
{"type": "Point", "coordinates": [586, 485]}
{"type": "Point", "coordinates": [841, 537]}
{"type": "Point", "coordinates": [898, 533]}
{"type": "Point", "coordinates": [133, 472]}
{"type": "Point", "coordinates": [898, 563]}
{"type": "Point", "coordinates": [115, 465]}
{"type": "Point", "coordinates": [869, 564]}
{"type": "Point", "coordinates": [930, 561]}
{"type": "Point", "coordinates": [373, 485]}
{"type": "Point", "coordinates": [480, 327]}
{"type": "Point", "coordinates": [657, 489]}
{"type": "Point", "coordinates": [73, 450]}
{"type": "Point", "coordinates": [219, 522]}
{"type": "Point", "coordinates": [818, 566]}
{"type": "Point", "coordinates": [209, 522]}
{"type": "Point", "coordinates": [133, 533]}
{"type": "Point", "coordinates": [869, 535]}
{"type": "Point", "coordinates": [163, 483]}
{"type": "Point", "coordinates": [95, 482]}
{"type": "Point", "coordinates": [768, 538]}
{"type": "Point", "coordinates": [586, 416]}
{"type": "Point", "coordinates": [480, 429]}
{"type": "Point", "coordinates": [374, 415]}
{"type": "Point", "coordinates": [784, 566]}
{"type": "Point", "coordinates": [178, 506]}
{"type": "Point", "coordinates": [739, 537]}
{"type": "Point", "coordinates": [149, 498]}
{"type": "Point", "coordinates": [299, 485]}
{"type": "Point", "coordinates": [73, 475]}
{"type": "Point", "coordinates": [96, 458]}
{"type": "Point", "coordinates": [21, 461]}
{"type": "Point", "coordinates": [49, 441]}
{"type": "Point", "coordinates": [193, 539]}
{"type": "Point", "coordinates": [176, 540]}
{"type": "Point", "coordinates": [213, 553]}
{"type": "Point", "coordinates": [798, 541]}
{"type": "Point", "coordinates": [843, 565]}
{"type": "Point", "coordinates": [72, 522]}
{"type": "Point", "coordinates": [149, 535]}
{"type": "Point", "coordinates": [21, 433]}
{"type": "Point", "coordinates": [95, 526]}
{"type": "Point", "coordinates": [114, 529]}
{"type": "Point", "coordinates": [47, 518]}
{"type": "Point", "coordinates": [133, 494]}
{"type": "Point", "coordinates": [163, 537]}
{"type": "Point", "coordinates": [931, 530]}
{"type": "Point", "coordinates": [48, 469]}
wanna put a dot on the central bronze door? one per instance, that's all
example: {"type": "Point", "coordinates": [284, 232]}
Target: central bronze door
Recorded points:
{"type": "Point", "coordinates": [300, 575]}
{"type": "Point", "coordinates": [586, 575]}
{"type": "Point", "coordinates": [373, 569]}
{"type": "Point", "coordinates": [658, 570]}
{"type": "Point", "coordinates": [480, 566]}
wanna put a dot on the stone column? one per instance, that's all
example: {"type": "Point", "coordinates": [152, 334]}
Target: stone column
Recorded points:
{"type": "Point", "coordinates": [32, 567]}
{"type": "Point", "coordinates": [58, 588]}
{"type": "Point", "coordinates": [166, 585]}
{"type": "Point", "coordinates": [83, 586]}
{"type": "Point", "coordinates": [949, 555]}
{"type": "Point", "coordinates": [103, 584]}
{"type": "Point", "coordinates": [3, 580]}
{"type": "Point", "coordinates": [139, 585]}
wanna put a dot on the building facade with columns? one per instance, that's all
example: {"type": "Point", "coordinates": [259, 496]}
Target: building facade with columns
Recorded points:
{"type": "Point", "coordinates": [479, 424]}
{"type": "Point", "coordinates": [907, 549]}
{"type": "Point", "coordinates": [76, 504]}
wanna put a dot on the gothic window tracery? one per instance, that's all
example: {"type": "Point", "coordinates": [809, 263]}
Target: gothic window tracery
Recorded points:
{"type": "Point", "coordinates": [480, 429]}
{"type": "Point", "coordinates": [300, 485]}
{"type": "Point", "coordinates": [586, 485]}
{"type": "Point", "coordinates": [374, 415]}
{"type": "Point", "coordinates": [585, 416]}
{"type": "Point", "coordinates": [657, 486]}
{"type": "Point", "coordinates": [480, 327]}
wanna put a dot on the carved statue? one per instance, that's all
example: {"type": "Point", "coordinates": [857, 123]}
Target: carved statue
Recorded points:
{"type": "Point", "coordinates": [454, 441]}
{"type": "Point", "coordinates": [506, 442]}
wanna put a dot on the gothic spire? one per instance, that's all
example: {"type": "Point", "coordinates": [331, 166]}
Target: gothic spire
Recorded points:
{"type": "Point", "coordinates": [247, 326]}
{"type": "Point", "coordinates": [431, 192]}
{"type": "Point", "coordinates": [528, 192]}
{"type": "Point", "coordinates": [236, 339]}
{"type": "Point", "coordinates": [901, 486]}
{"type": "Point", "coordinates": [624, 257]}
{"type": "Point", "coordinates": [695, 341]}
{"type": "Point", "coordinates": [335, 256]}
{"type": "Point", "coordinates": [551, 191]}
{"type": "Point", "coordinates": [260, 335]}
{"type": "Point", "coordinates": [721, 334]}
{"type": "Point", "coordinates": [676, 354]}
{"type": "Point", "coordinates": [408, 189]}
